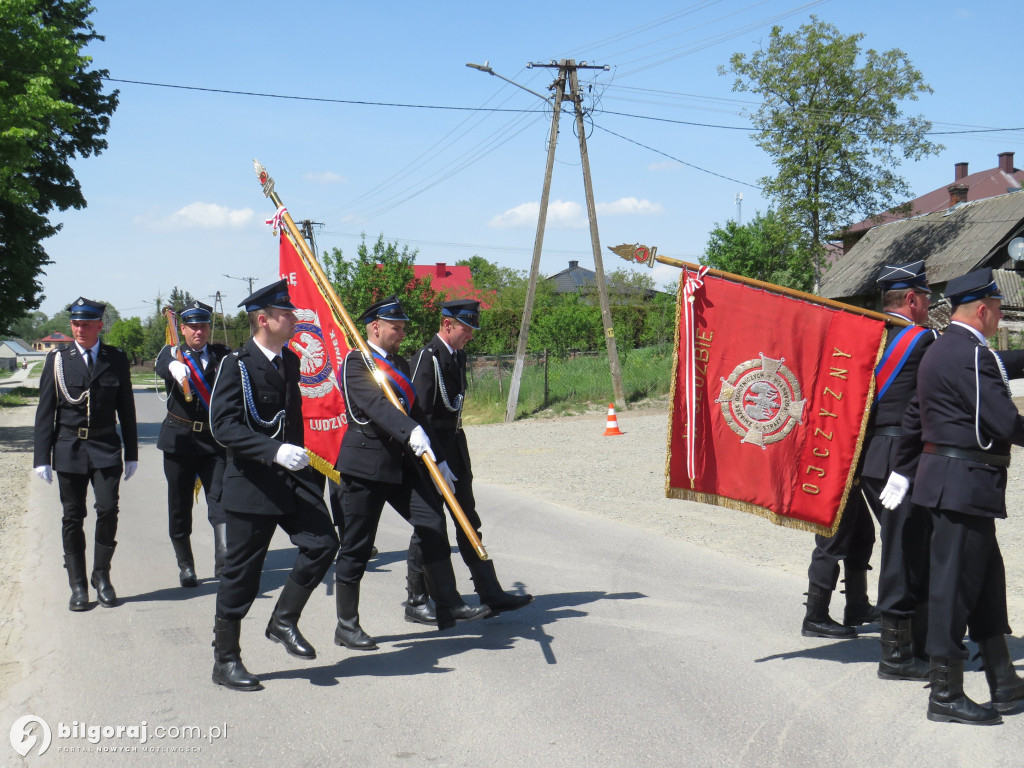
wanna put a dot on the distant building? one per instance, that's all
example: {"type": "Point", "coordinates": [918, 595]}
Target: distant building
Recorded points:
{"type": "Point", "coordinates": [456, 281]}
{"type": "Point", "coordinates": [52, 341]}
{"type": "Point", "coordinates": [15, 352]}
{"type": "Point", "coordinates": [577, 279]}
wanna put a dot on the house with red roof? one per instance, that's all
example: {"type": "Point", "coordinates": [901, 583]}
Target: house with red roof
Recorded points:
{"type": "Point", "coordinates": [52, 341]}
{"type": "Point", "coordinates": [457, 282]}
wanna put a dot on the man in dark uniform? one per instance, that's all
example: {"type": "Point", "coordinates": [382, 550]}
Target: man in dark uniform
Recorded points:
{"type": "Point", "coordinates": [905, 294]}
{"type": "Point", "coordinates": [256, 414]}
{"type": "Point", "coordinates": [903, 575]}
{"type": "Point", "coordinates": [439, 377]}
{"type": "Point", "coordinates": [84, 390]}
{"type": "Point", "coordinates": [379, 462]}
{"type": "Point", "coordinates": [189, 450]}
{"type": "Point", "coordinates": [959, 428]}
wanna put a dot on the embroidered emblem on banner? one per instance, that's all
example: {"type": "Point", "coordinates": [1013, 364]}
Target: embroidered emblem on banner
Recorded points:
{"type": "Point", "coordinates": [761, 401]}
{"type": "Point", "coordinates": [315, 369]}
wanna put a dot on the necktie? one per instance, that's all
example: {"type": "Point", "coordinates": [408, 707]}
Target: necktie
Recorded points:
{"type": "Point", "coordinates": [88, 359]}
{"type": "Point", "coordinates": [197, 355]}
{"type": "Point", "coordinates": [277, 362]}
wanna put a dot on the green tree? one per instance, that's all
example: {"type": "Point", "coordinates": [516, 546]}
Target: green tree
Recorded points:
{"type": "Point", "coordinates": [179, 299]}
{"type": "Point", "coordinates": [831, 120]}
{"type": "Point", "coordinates": [766, 248]}
{"type": "Point", "coordinates": [379, 271]}
{"type": "Point", "coordinates": [129, 335]}
{"type": "Point", "coordinates": [52, 110]}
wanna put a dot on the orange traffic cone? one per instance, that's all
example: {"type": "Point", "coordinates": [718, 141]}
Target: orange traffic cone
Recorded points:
{"type": "Point", "coordinates": [612, 426]}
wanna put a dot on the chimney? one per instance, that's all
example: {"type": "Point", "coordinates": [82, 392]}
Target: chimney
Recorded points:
{"type": "Point", "coordinates": [440, 269]}
{"type": "Point", "coordinates": [957, 194]}
{"type": "Point", "coordinates": [573, 264]}
{"type": "Point", "coordinates": [1006, 163]}
{"type": "Point", "coordinates": [959, 171]}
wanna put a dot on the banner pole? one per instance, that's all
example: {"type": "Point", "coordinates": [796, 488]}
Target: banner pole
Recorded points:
{"type": "Point", "coordinates": [323, 285]}
{"type": "Point", "coordinates": [791, 292]}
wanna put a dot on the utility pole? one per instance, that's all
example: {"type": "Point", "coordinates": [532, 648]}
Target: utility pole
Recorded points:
{"type": "Point", "coordinates": [245, 279]}
{"type": "Point", "coordinates": [567, 71]}
{"type": "Point", "coordinates": [595, 240]}
{"type": "Point", "coordinates": [739, 208]}
{"type": "Point", "coordinates": [307, 232]}
{"type": "Point", "coordinates": [219, 302]}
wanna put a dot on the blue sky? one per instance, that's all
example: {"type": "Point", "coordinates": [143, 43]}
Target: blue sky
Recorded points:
{"type": "Point", "coordinates": [173, 201]}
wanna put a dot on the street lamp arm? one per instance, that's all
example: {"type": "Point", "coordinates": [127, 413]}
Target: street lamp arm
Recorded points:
{"type": "Point", "coordinates": [486, 67]}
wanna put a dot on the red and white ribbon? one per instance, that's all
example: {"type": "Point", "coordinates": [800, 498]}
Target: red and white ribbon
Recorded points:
{"type": "Point", "coordinates": [277, 220]}
{"type": "Point", "coordinates": [694, 281]}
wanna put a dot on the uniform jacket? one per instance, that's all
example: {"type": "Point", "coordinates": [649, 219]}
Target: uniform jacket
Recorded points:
{"type": "Point", "coordinates": [253, 483]}
{"type": "Point", "coordinates": [879, 454]}
{"type": "Point", "coordinates": [444, 423]}
{"type": "Point", "coordinates": [956, 372]}
{"type": "Point", "coordinates": [374, 446]}
{"type": "Point", "coordinates": [177, 433]}
{"type": "Point", "coordinates": [57, 440]}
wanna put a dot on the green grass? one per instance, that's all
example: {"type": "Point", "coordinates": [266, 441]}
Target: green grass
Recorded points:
{"type": "Point", "coordinates": [575, 385]}
{"type": "Point", "coordinates": [16, 396]}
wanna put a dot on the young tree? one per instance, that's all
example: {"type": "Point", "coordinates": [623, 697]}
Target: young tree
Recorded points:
{"type": "Point", "coordinates": [831, 120]}
{"type": "Point", "coordinates": [129, 336]}
{"type": "Point", "coordinates": [766, 248]}
{"type": "Point", "coordinates": [378, 272]}
{"type": "Point", "coordinates": [52, 110]}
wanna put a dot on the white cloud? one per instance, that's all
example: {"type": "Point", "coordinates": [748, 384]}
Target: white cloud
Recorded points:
{"type": "Point", "coordinates": [326, 177]}
{"type": "Point", "coordinates": [562, 214]}
{"type": "Point", "coordinates": [629, 206]}
{"type": "Point", "coordinates": [664, 165]}
{"type": "Point", "coordinates": [200, 216]}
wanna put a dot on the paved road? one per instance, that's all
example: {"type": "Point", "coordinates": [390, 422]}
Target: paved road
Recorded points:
{"type": "Point", "coordinates": [637, 651]}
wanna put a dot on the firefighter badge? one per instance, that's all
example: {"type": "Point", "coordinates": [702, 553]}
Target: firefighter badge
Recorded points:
{"type": "Point", "coordinates": [761, 401]}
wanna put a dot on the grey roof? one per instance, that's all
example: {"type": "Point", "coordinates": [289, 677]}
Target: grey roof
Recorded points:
{"type": "Point", "coordinates": [572, 279]}
{"type": "Point", "coordinates": [1010, 285]}
{"type": "Point", "coordinates": [18, 347]}
{"type": "Point", "coordinates": [952, 243]}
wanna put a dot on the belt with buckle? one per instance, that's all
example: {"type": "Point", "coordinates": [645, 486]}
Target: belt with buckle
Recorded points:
{"type": "Point", "coordinates": [982, 457]}
{"type": "Point", "coordinates": [886, 432]}
{"type": "Point", "coordinates": [195, 426]}
{"type": "Point", "coordinates": [87, 433]}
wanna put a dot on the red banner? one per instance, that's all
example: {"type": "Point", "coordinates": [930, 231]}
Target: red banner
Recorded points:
{"type": "Point", "coordinates": [778, 391]}
{"type": "Point", "coordinates": [321, 347]}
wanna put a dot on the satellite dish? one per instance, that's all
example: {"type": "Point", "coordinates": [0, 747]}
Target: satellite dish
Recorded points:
{"type": "Point", "coordinates": [1016, 248]}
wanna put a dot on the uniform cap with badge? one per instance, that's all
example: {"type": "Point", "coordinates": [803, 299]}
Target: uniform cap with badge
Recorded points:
{"type": "Point", "coordinates": [197, 312]}
{"type": "Point", "coordinates": [466, 311]}
{"type": "Point", "coordinates": [86, 309]}
{"type": "Point", "coordinates": [385, 309]}
{"type": "Point", "coordinates": [273, 295]}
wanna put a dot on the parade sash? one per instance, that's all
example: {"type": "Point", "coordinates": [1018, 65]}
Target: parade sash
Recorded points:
{"type": "Point", "coordinates": [198, 380]}
{"type": "Point", "coordinates": [405, 390]}
{"type": "Point", "coordinates": [770, 399]}
{"type": "Point", "coordinates": [321, 347]}
{"type": "Point", "coordinates": [895, 357]}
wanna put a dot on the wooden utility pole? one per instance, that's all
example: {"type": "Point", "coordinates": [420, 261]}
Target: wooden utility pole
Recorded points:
{"type": "Point", "coordinates": [567, 70]}
{"type": "Point", "coordinates": [595, 244]}
{"type": "Point", "coordinates": [538, 242]}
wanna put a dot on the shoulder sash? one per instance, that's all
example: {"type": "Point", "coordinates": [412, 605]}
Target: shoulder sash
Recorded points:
{"type": "Point", "coordinates": [895, 357]}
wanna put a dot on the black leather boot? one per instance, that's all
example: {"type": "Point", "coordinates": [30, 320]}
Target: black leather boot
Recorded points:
{"type": "Point", "coordinates": [947, 702]}
{"type": "Point", "coordinates": [817, 622]}
{"type": "Point", "coordinates": [284, 621]}
{"type": "Point", "coordinates": [220, 548]}
{"type": "Point", "coordinates": [449, 604]}
{"type": "Point", "coordinates": [228, 669]}
{"type": "Point", "coordinates": [898, 659]}
{"type": "Point", "coordinates": [186, 563]}
{"type": "Point", "coordinates": [859, 609]}
{"type": "Point", "coordinates": [418, 607]}
{"type": "Point", "coordinates": [101, 576]}
{"type": "Point", "coordinates": [1006, 687]}
{"type": "Point", "coordinates": [76, 578]}
{"type": "Point", "coordinates": [485, 582]}
{"type": "Point", "coordinates": [348, 632]}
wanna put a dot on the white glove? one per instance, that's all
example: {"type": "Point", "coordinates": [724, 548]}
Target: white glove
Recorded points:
{"type": "Point", "coordinates": [178, 370]}
{"type": "Point", "coordinates": [448, 475]}
{"type": "Point", "coordinates": [291, 457]}
{"type": "Point", "coordinates": [45, 473]}
{"type": "Point", "coordinates": [129, 469]}
{"type": "Point", "coordinates": [420, 443]}
{"type": "Point", "coordinates": [896, 488]}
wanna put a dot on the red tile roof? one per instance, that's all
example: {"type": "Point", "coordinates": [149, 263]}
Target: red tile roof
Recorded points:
{"type": "Point", "coordinates": [456, 281]}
